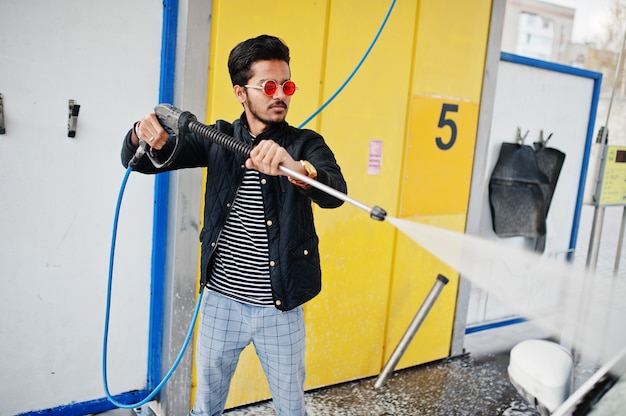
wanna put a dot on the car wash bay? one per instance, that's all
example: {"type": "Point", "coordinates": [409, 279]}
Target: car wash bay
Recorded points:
{"type": "Point", "coordinates": [391, 128]}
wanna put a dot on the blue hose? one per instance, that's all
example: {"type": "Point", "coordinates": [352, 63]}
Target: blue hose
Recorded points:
{"type": "Point", "coordinates": [198, 303]}
{"type": "Point", "coordinates": [354, 71]}
{"type": "Point", "coordinates": [108, 312]}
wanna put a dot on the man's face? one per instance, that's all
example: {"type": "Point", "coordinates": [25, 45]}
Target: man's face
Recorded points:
{"type": "Point", "coordinates": [261, 109]}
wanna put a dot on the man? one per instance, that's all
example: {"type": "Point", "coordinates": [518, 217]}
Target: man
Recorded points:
{"type": "Point", "coordinates": [260, 259]}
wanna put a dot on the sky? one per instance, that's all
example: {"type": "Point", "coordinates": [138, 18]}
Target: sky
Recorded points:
{"type": "Point", "coordinates": [590, 17]}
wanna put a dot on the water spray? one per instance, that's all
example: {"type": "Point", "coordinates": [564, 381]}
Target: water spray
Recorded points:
{"type": "Point", "coordinates": [181, 123]}
{"type": "Point", "coordinates": [550, 292]}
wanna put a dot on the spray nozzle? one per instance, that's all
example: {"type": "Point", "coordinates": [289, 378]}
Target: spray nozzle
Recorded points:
{"type": "Point", "coordinates": [139, 153]}
{"type": "Point", "coordinates": [377, 213]}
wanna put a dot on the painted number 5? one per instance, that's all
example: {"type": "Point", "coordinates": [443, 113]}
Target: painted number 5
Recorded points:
{"type": "Point", "coordinates": [444, 121]}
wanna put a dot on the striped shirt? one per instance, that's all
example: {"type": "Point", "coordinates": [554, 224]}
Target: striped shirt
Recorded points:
{"type": "Point", "coordinates": [241, 263]}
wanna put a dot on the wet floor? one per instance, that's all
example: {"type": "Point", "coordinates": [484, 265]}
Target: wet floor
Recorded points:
{"type": "Point", "coordinates": [475, 383]}
{"type": "Point", "coordinates": [460, 386]}
{"type": "Point", "coordinates": [472, 384]}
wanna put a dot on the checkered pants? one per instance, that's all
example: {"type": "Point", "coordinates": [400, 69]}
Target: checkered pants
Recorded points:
{"type": "Point", "coordinates": [226, 328]}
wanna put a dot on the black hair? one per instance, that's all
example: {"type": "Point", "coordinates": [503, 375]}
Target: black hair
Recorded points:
{"type": "Point", "coordinates": [241, 58]}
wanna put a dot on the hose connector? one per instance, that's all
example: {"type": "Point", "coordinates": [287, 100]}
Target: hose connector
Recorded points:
{"type": "Point", "coordinates": [139, 153]}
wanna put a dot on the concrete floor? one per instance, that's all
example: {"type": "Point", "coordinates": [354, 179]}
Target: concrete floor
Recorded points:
{"type": "Point", "coordinates": [473, 384]}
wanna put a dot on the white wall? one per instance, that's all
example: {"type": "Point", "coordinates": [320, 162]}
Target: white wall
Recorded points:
{"type": "Point", "coordinates": [59, 193]}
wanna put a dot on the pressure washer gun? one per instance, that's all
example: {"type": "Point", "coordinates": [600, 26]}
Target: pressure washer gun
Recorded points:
{"type": "Point", "coordinates": [179, 123]}
{"type": "Point", "coordinates": [176, 123]}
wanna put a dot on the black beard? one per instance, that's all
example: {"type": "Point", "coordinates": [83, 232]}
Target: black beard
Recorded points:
{"type": "Point", "coordinates": [267, 122]}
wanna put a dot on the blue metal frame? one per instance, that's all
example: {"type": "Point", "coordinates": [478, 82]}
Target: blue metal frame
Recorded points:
{"type": "Point", "coordinates": [494, 324]}
{"type": "Point", "coordinates": [159, 240]}
{"type": "Point", "coordinates": [161, 195]}
{"type": "Point", "coordinates": [597, 81]}
{"type": "Point", "coordinates": [89, 407]}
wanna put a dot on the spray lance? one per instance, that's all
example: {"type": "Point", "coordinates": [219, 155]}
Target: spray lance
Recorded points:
{"type": "Point", "coordinates": [179, 123]}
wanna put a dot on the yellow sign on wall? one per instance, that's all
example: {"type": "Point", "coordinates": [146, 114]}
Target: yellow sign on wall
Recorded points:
{"type": "Point", "coordinates": [613, 186]}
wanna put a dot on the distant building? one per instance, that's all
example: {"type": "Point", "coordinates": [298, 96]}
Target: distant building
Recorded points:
{"type": "Point", "coordinates": [543, 30]}
{"type": "Point", "coordinates": [537, 29]}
